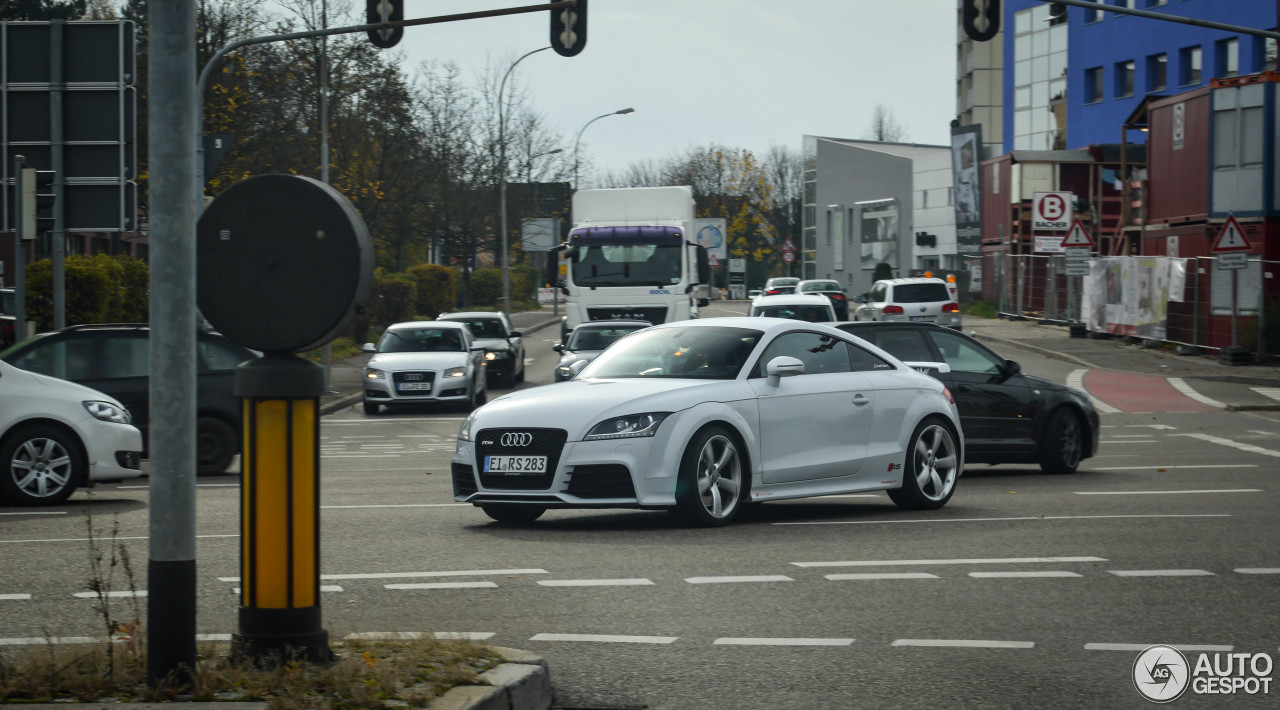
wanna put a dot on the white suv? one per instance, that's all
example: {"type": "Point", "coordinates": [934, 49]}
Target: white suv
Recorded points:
{"type": "Point", "coordinates": [919, 300]}
{"type": "Point", "coordinates": [56, 436]}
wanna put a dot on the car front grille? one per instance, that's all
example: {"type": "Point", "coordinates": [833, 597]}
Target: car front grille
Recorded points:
{"type": "Point", "coordinates": [601, 481]}
{"type": "Point", "coordinates": [416, 377]}
{"type": "Point", "coordinates": [464, 479]}
{"type": "Point", "coordinates": [656, 315]}
{"type": "Point", "coordinates": [544, 442]}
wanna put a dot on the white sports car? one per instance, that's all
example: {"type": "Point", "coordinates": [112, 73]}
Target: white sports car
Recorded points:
{"type": "Point", "coordinates": [700, 417]}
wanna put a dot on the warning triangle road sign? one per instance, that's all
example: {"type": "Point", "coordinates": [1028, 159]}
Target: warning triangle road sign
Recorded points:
{"type": "Point", "coordinates": [712, 260]}
{"type": "Point", "coordinates": [1231, 238]}
{"type": "Point", "coordinates": [1078, 236]}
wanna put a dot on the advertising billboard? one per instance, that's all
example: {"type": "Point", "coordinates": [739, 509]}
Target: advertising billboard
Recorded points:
{"type": "Point", "coordinates": [966, 164]}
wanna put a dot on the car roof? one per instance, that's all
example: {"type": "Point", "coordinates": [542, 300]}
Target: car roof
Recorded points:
{"type": "Point", "coordinates": [612, 323]}
{"type": "Point", "coordinates": [428, 324]}
{"type": "Point", "coordinates": [775, 279]}
{"type": "Point", "coordinates": [762, 323]}
{"type": "Point", "coordinates": [911, 280]}
{"type": "Point", "coordinates": [470, 314]}
{"type": "Point", "coordinates": [792, 299]}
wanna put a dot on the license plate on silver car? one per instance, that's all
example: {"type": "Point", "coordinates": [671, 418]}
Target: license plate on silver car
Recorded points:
{"type": "Point", "coordinates": [515, 465]}
{"type": "Point", "coordinates": [414, 386]}
{"type": "Point", "coordinates": [923, 319]}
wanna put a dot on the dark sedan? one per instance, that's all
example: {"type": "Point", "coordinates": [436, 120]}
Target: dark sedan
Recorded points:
{"type": "Point", "coordinates": [832, 290]}
{"type": "Point", "coordinates": [588, 340]}
{"type": "Point", "coordinates": [115, 359]}
{"type": "Point", "coordinates": [1008, 417]}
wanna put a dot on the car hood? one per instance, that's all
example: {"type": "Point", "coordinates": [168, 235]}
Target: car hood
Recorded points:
{"type": "Point", "coordinates": [417, 361]}
{"type": "Point", "coordinates": [1050, 386]}
{"type": "Point", "coordinates": [493, 343]}
{"type": "Point", "coordinates": [67, 390]}
{"type": "Point", "coordinates": [577, 405]}
{"type": "Point", "coordinates": [571, 356]}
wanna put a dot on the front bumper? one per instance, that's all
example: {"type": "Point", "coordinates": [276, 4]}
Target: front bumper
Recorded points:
{"type": "Point", "coordinates": [113, 450]}
{"type": "Point", "coordinates": [442, 389]}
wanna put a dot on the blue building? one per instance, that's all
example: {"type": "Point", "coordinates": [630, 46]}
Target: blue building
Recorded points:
{"type": "Point", "coordinates": [1069, 84]}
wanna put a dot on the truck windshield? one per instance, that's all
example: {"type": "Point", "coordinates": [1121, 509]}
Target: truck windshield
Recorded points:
{"type": "Point", "coordinates": [627, 265]}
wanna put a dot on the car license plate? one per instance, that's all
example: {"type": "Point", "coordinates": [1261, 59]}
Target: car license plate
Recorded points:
{"type": "Point", "coordinates": [515, 465]}
{"type": "Point", "coordinates": [923, 319]}
{"type": "Point", "coordinates": [414, 386]}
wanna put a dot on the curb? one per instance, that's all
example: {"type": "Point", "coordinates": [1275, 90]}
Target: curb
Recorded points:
{"type": "Point", "coordinates": [1054, 354]}
{"type": "Point", "coordinates": [522, 683]}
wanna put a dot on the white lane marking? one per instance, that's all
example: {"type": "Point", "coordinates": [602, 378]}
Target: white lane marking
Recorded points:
{"type": "Point", "coordinates": [1181, 385]}
{"type": "Point", "coordinates": [956, 561]}
{"type": "Point", "coordinates": [38, 512]}
{"type": "Point", "coordinates": [1049, 573]}
{"type": "Point", "coordinates": [1208, 465]}
{"type": "Point", "coordinates": [390, 420]}
{"type": "Point", "coordinates": [963, 643]}
{"type": "Point", "coordinates": [1258, 570]}
{"type": "Point", "coordinates": [395, 505]}
{"type": "Point", "coordinates": [1160, 573]}
{"type": "Point", "coordinates": [744, 578]}
{"type": "Point", "coordinates": [213, 637]}
{"type": "Point", "coordinates": [1145, 646]}
{"type": "Point", "coordinates": [1272, 392]}
{"type": "Point", "coordinates": [1233, 444]}
{"type": "Point", "coordinates": [1162, 427]}
{"type": "Point", "coordinates": [122, 537]}
{"type": "Point", "coordinates": [594, 582]}
{"type": "Point", "coordinates": [127, 594]}
{"type": "Point", "coordinates": [443, 585]}
{"type": "Point", "coordinates": [47, 641]}
{"type": "Point", "coordinates": [323, 588]}
{"type": "Point", "coordinates": [198, 485]}
{"type": "Point", "coordinates": [1130, 436]}
{"type": "Point", "coordinates": [1005, 520]}
{"type": "Point", "coordinates": [880, 575]}
{"type": "Point", "coordinates": [1075, 380]}
{"type": "Point", "coordinates": [781, 642]}
{"type": "Point", "coordinates": [1160, 493]}
{"type": "Point", "coordinates": [1114, 442]}
{"type": "Point", "coordinates": [410, 635]}
{"type": "Point", "coordinates": [603, 638]}
{"type": "Point", "coordinates": [361, 456]}
{"type": "Point", "coordinates": [14, 597]}
{"type": "Point", "coordinates": [417, 575]}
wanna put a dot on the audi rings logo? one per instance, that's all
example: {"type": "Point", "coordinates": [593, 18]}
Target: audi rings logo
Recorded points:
{"type": "Point", "coordinates": [517, 438]}
{"type": "Point", "coordinates": [413, 376]}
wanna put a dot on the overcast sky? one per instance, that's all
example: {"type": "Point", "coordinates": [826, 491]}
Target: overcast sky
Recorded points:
{"type": "Point", "coordinates": [741, 73]}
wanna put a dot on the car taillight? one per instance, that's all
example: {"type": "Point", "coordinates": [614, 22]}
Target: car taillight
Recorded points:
{"type": "Point", "coordinates": [951, 308]}
{"type": "Point", "coordinates": [892, 310]}
{"type": "Point", "coordinates": [773, 292]}
{"type": "Point", "coordinates": [837, 296]}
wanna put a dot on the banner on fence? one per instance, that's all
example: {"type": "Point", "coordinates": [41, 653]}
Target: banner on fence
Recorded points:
{"type": "Point", "coordinates": [1130, 295]}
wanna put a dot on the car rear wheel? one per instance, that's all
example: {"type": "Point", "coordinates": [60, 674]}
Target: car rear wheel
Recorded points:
{"type": "Point", "coordinates": [509, 513]}
{"type": "Point", "coordinates": [216, 445]}
{"type": "Point", "coordinates": [710, 485]}
{"type": "Point", "coordinates": [1063, 443]}
{"type": "Point", "coordinates": [933, 463]}
{"type": "Point", "coordinates": [41, 465]}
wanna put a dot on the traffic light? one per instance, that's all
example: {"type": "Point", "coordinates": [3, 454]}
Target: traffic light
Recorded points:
{"type": "Point", "coordinates": [569, 29]}
{"type": "Point", "coordinates": [385, 11]}
{"type": "Point", "coordinates": [981, 19]}
{"type": "Point", "coordinates": [37, 202]}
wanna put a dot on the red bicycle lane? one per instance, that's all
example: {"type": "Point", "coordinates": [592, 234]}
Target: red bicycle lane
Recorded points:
{"type": "Point", "coordinates": [1137, 393]}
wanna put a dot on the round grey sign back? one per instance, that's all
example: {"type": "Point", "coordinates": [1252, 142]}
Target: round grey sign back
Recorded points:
{"type": "Point", "coordinates": [284, 263]}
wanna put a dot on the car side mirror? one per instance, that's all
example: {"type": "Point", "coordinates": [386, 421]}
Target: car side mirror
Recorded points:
{"type": "Point", "coordinates": [369, 348]}
{"type": "Point", "coordinates": [780, 367]}
{"type": "Point", "coordinates": [558, 347]}
{"type": "Point", "coordinates": [860, 299]}
{"type": "Point", "coordinates": [1010, 368]}
{"type": "Point", "coordinates": [576, 367]}
{"type": "Point", "coordinates": [514, 334]}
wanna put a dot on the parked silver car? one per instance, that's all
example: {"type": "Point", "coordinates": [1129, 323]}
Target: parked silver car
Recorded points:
{"type": "Point", "coordinates": [422, 362]}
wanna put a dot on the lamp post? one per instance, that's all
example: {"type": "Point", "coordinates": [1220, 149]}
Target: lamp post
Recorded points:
{"type": "Point", "coordinates": [502, 178]}
{"type": "Point", "coordinates": [578, 140]}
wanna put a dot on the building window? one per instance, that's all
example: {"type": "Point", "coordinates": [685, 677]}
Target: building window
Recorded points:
{"type": "Point", "coordinates": [1124, 79]}
{"type": "Point", "coordinates": [1093, 15]}
{"type": "Point", "coordinates": [1269, 55]}
{"type": "Point", "coordinates": [1190, 66]}
{"type": "Point", "coordinates": [1093, 85]}
{"type": "Point", "coordinates": [1039, 74]}
{"type": "Point", "coordinates": [1157, 64]}
{"type": "Point", "coordinates": [1227, 58]}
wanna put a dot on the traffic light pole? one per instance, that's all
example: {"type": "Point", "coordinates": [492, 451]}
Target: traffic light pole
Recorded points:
{"type": "Point", "coordinates": [1119, 10]}
{"type": "Point", "coordinates": [19, 254]}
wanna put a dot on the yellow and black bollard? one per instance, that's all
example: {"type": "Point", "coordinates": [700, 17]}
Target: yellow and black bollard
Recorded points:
{"type": "Point", "coordinates": [280, 510]}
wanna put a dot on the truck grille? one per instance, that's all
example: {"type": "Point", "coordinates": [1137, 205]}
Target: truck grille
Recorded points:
{"type": "Point", "coordinates": [656, 315]}
{"type": "Point", "coordinates": [543, 442]}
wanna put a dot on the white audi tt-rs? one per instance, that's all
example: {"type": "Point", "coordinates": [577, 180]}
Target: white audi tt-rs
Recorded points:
{"type": "Point", "coordinates": [702, 417]}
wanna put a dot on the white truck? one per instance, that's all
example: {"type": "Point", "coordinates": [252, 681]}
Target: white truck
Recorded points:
{"type": "Point", "coordinates": [632, 255]}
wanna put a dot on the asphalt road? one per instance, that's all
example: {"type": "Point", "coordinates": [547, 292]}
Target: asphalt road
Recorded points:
{"type": "Point", "coordinates": [1026, 590]}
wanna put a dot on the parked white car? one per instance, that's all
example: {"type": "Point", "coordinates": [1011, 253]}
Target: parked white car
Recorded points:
{"type": "Point", "coordinates": [425, 362]}
{"type": "Point", "coordinates": [701, 417]}
{"type": "Point", "coordinates": [918, 300]}
{"type": "Point", "coordinates": [56, 436]}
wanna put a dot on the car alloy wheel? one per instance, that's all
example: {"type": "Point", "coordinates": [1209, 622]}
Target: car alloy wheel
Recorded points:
{"type": "Point", "coordinates": [933, 462]}
{"type": "Point", "coordinates": [1064, 443]}
{"type": "Point", "coordinates": [42, 466]}
{"type": "Point", "coordinates": [710, 486]}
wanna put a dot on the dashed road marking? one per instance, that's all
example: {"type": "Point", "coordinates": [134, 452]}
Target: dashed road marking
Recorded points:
{"type": "Point", "coordinates": [1029, 575]}
{"type": "Point", "coordinates": [413, 575]}
{"type": "Point", "coordinates": [956, 561]}
{"type": "Point", "coordinates": [781, 642]}
{"type": "Point", "coordinates": [37, 512]}
{"type": "Point", "coordinates": [1200, 648]}
{"type": "Point", "coordinates": [443, 585]}
{"type": "Point", "coordinates": [47, 641]}
{"type": "Point", "coordinates": [1258, 570]}
{"type": "Point", "coordinates": [963, 643]}
{"type": "Point", "coordinates": [881, 575]}
{"type": "Point", "coordinates": [737, 579]}
{"type": "Point", "coordinates": [396, 505]}
{"type": "Point", "coordinates": [124, 594]}
{"type": "Point", "coordinates": [1157, 493]}
{"type": "Point", "coordinates": [604, 638]}
{"type": "Point", "coordinates": [14, 597]}
{"type": "Point", "coordinates": [1160, 573]}
{"type": "Point", "coordinates": [1075, 380]}
{"type": "Point", "coordinates": [1157, 466]}
{"type": "Point", "coordinates": [411, 635]}
{"type": "Point", "coordinates": [594, 582]}
{"type": "Point", "coordinates": [1181, 385]}
{"type": "Point", "coordinates": [1233, 444]}
{"type": "Point", "coordinates": [1007, 520]}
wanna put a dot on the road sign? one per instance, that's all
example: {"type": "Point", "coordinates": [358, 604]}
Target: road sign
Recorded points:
{"type": "Point", "coordinates": [789, 246]}
{"type": "Point", "coordinates": [788, 256]}
{"type": "Point", "coordinates": [1076, 267]}
{"type": "Point", "coordinates": [1052, 211]}
{"type": "Point", "coordinates": [1231, 238]}
{"type": "Point", "coordinates": [1232, 260]}
{"type": "Point", "coordinates": [712, 260]}
{"type": "Point", "coordinates": [1078, 236]}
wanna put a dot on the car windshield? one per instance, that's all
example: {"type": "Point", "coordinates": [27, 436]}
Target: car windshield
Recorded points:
{"type": "Point", "coordinates": [920, 293]}
{"type": "Point", "coordinates": [812, 314]}
{"type": "Point", "coordinates": [821, 286]}
{"type": "Point", "coordinates": [599, 338]}
{"type": "Point", "coordinates": [484, 327]}
{"type": "Point", "coordinates": [711, 353]}
{"type": "Point", "coordinates": [627, 265]}
{"type": "Point", "coordinates": [421, 340]}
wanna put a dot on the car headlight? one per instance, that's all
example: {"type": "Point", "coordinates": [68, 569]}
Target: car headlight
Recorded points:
{"type": "Point", "coordinates": [464, 433]}
{"type": "Point", "coordinates": [108, 412]}
{"type": "Point", "coordinates": [630, 426]}
{"type": "Point", "coordinates": [456, 372]}
{"type": "Point", "coordinates": [373, 374]}
{"type": "Point", "coordinates": [565, 372]}
{"type": "Point", "coordinates": [496, 355]}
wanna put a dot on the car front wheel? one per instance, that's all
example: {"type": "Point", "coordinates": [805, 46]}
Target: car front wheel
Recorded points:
{"type": "Point", "coordinates": [41, 466]}
{"type": "Point", "coordinates": [216, 445]}
{"type": "Point", "coordinates": [710, 485]}
{"type": "Point", "coordinates": [933, 463]}
{"type": "Point", "coordinates": [1063, 443]}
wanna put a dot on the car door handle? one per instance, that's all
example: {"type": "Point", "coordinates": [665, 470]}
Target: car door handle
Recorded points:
{"type": "Point", "coordinates": [860, 400]}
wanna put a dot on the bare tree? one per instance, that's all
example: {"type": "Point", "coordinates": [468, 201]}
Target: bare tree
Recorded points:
{"type": "Point", "coordinates": [885, 127]}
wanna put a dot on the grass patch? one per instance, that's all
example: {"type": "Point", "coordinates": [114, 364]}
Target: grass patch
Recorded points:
{"type": "Point", "coordinates": [979, 309]}
{"type": "Point", "coordinates": [342, 348]}
{"type": "Point", "coordinates": [364, 674]}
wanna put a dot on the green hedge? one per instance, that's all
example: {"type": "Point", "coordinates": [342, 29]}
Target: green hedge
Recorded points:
{"type": "Point", "coordinates": [437, 289]}
{"type": "Point", "coordinates": [98, 289]}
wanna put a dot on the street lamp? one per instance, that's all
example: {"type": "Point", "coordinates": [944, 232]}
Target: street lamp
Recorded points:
{"type": "Point", "coordinates": [576, 141]}
{"type": "Point", "coordinates": [502, 177]}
